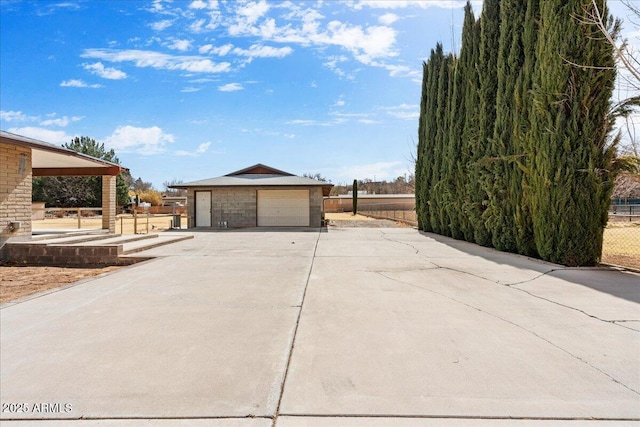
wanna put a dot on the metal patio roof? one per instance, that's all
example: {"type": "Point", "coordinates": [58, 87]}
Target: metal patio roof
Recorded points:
{"type": "Point", "coordinates": [52, 160]}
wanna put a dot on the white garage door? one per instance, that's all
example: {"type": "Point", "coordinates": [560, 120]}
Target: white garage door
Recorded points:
{"type": "Point", "coordinates": [283, 208]}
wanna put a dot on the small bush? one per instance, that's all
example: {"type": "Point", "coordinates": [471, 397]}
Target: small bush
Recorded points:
{"type": "Point", "coordinates": [151, 196]}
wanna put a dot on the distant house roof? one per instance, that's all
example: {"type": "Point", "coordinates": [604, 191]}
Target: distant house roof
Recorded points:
{"type": "Point", "coordinates": [258, 175]}
{"type": "Point", "coordinates": [52, 160]}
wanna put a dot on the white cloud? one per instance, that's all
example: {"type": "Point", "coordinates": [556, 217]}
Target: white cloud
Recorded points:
{"type": "Point", "coordinates": [222, 50]}
{"type": "Point", "coordinates": [306, 26]}
{"type": "Point", "coordinates": [260, 51]}
{"type": "Point", "coordinates": [158, 7]}
{"type": "Point", "coordinates": [404, 115]}
{"type": "Point", "coordinates": [364, 44]}
{"type": "Point", "coordinates": [204, 80]}
{"type": "Point", "coordinates": [247, 16]}
{"type": "Point", "coordinates": [78, 83]}
{"type": "Point", "coordinates": [332, 64]}
{"type": "Point", "coordinates": [151, 140]}
{"type": "Point", "coordinates": [216, 50]}
{"type": "Point", "coordinates": [162, 25]}
{"type": "Point", "coordinates": [306, 122]}
{"type": "Point", "coordinates": [198, 4]}
{"type": "Point", "coordinates": [41, 134]}
{"type": "Point", "coordinates": [190, 89]}
{"type": "Point", "coordinates": [302, 122]}
{"type": "Point", "coordinates": [201, 4]}
{"type": "Point", "coordinates": [105, 72]}
{"type": "Point", "coordinates": [368, 121]}
{"type": "Point", "coordinates": [181, 45]}
{"type": "Point", "coordinates": [403, 111]}
{"type": "Point", "coordinates": [202, 148]}
{"type": "Point", "coordinates": [230, 87]}
{"type": "Point", "coordinates": [339, 103]}
{"type": "Point", "coordinates": [348, 115]}
{"type": "Point", "coordinates": [205, 49]}
{"type": "Point", "coordinates": [14, 116]}
{"type": "Point", "coordinates": [401, 4]}
{"type": "Point", "coordinates": [398, 70]}
{"type": "Point", "coordinates": [197, 26]}
{"type": "Point", "coordinates": [145, 58]}
{"type": "Point", "coordinates": [201, 25]}
{"type": "Point", "coordinates": [62, 121]}
{"type": "Point", "coordinates": [388, 18]}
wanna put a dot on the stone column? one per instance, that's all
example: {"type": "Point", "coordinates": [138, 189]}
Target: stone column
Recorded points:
{"type": "Point", "coordinates": [109, 203]}
{"type": "Point", "coordinates": [15, 193]}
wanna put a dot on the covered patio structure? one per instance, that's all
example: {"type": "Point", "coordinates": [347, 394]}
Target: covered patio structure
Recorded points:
{"type": "Point", "coordinates": [22, 158]}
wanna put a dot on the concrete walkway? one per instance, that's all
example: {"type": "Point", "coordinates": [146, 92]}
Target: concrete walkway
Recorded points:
{"type": "Point", "coordinates": [350, 327]}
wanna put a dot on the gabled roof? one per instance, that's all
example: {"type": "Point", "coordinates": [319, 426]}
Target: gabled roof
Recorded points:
{"type": "Point", "coordinates": [258, 175]}
{"type": "Point", "coordinates": [52, 160]}
{"type": "Point", "coordinates": [259, 169]}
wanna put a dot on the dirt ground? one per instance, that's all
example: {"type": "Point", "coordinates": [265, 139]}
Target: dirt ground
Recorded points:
{"type": "Point", "coordinates": [347, 219]}
{"type": "Point", "coordinates": [17, 282]}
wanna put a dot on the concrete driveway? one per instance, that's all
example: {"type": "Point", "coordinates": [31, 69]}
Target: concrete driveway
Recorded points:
{"type": "Point", "coordinates": [350, 327]}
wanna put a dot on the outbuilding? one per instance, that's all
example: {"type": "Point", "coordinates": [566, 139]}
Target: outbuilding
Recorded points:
{"type": "Point", "coordinates": [257, 196]}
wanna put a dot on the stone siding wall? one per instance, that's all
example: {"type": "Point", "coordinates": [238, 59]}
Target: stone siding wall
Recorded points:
{"type": "Point", "coordinates": [15, 192]}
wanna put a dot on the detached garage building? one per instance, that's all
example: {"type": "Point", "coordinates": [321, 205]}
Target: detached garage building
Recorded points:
{"type": "Point", "coordinates": [258, 196]}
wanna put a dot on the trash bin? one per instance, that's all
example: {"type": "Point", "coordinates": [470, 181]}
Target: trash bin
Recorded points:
{"type": "Point", "coordinates": [177, 221]}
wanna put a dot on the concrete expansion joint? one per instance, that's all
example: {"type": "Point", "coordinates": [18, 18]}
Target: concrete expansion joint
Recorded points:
{"type": "Point", "coordinates": [455, 417]}
{"type": "Point", "coordinates": [295, 334]}
{"type": "Point", "coordinates": [143, 418]}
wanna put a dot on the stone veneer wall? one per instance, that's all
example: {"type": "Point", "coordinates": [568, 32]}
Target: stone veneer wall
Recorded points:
{"type": "Point", "coordinates": [239, 206]}
{"type": "Point", "coordinates": [15, 192]}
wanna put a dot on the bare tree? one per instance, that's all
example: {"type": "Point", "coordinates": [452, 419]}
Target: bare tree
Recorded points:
{"type": "Point", "coordinates": [628, 59]}
{"type": "Point", "coordinates": [627, 186]}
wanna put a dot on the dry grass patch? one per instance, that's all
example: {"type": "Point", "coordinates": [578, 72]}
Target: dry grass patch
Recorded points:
{"type": "Point", "coordinates": [622, 244]}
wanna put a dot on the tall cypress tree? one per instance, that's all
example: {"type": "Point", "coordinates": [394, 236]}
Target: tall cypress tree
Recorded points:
{"type": "Point", "coordinates": [421, 188]}
{"type": "Point", "coordinates": [524, 113]}
{"type": "Point", "coordinates": [456, 155]}
{"type": "Point", "coordinates": [470, 56]}
{"type": "Point", "coordinates": [570, 184]}
{"type": "Point", "coordinates": [439, 221]}
{"type": "Point", "coordinates": [506, 179]}
{"type": "Point", "coordinates": [426, 162]}
{"type": "Point", "coordinates": [488, 75]}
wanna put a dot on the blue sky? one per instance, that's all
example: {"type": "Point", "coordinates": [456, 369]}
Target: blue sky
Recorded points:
{"type": "Point", "coordinates": [189, 90]}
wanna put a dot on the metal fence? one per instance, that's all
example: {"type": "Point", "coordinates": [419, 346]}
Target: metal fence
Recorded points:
{"type": "Point", "coordinates": [621, 244]}
{"type": "Point", "coordinates": [624, 212]}
{"type": "Point", "coordinates": [67, 219]}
